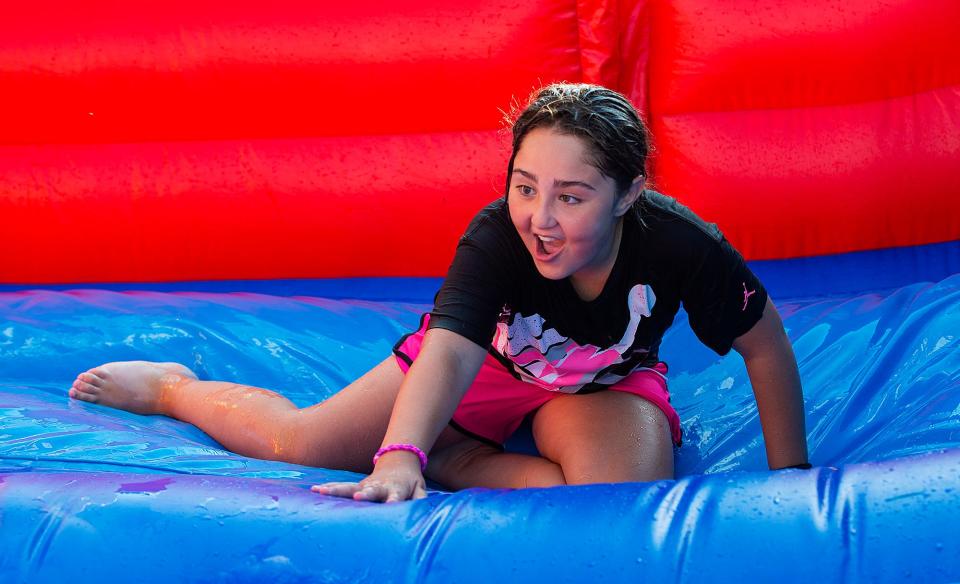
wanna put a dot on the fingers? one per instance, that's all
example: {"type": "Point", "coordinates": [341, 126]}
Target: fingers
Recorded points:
{"type": "Point", "coordinates": [374, 492]}
{"type": "Point", "coordinates": [336, 489]}
{"type": "Point", "coordinates": [356, 491]}
{"type": "Point", "coordinates": [419, 492]}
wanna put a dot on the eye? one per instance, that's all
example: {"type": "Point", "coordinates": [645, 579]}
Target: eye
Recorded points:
{"type": "Point", "coordinates": [569, 199]}
{"type": "Point", "coordinates": [524, 190]}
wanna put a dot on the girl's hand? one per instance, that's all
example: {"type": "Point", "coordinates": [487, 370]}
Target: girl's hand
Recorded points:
{"type": "Point", "coordinates": [388, 483]}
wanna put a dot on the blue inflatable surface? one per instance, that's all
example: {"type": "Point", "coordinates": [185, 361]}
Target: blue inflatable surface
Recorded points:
{"type": "Point", "coordinates": [98, 494]}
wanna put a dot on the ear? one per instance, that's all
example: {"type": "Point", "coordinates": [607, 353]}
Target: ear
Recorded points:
{"type": "Point", "coordinates": [630, 197]}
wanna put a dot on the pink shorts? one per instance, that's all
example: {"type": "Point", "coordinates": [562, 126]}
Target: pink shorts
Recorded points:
{"type": "Point", "coordinates": [497, 402]}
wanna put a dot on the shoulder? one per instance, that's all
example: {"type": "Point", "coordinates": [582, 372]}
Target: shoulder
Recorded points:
{"type": "Point", "coordinates": [492, 217]}
{"type": "Point", "coordinates": [671, 232]}
{"type": "Point", "coordinates": [491, 228]}
{"type": "Point", "coordinates": [677, 240]}
{"type": "Point", "coordinates": [664, 217]}
{"type": "Point", "coordinates": [490, 243]}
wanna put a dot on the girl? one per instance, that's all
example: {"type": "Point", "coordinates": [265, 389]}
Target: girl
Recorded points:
{"type": "Point", "coordinates": [555, 303]}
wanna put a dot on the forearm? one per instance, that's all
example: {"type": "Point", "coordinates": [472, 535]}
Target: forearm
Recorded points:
{"type": "Point", "coordinates": [772, 367]}
{"type": "Point", "coordinates": [431, 391]}
{"type": "Point", "coordinates": [776, 386]}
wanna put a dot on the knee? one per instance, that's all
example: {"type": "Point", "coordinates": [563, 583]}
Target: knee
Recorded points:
{"type": "Point", "coordinates": [282, 439]}
{"type": "Point", "coordinates": [608, 437]}
{"type": "Point", "coordinates": [600, 467]}
{"type": "Point", "coordinates": [472, 464]}
{"type": "Point", "coordinates": [638, 458]}
{"type": "Point", "coordinates": [445, 466]}
{"type": "Point", "coordinates": [637, 474]}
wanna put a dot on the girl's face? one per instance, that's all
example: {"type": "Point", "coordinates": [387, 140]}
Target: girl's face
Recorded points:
{"type": "Point", "coordinates": [566, 212]}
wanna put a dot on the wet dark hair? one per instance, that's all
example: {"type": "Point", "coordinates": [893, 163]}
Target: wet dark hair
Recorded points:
{"type": "Point", "coordinates": [616, 137]}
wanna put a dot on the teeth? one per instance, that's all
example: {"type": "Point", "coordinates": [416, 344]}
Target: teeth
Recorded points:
{"type": "Point", "coordinates": [546, 239]}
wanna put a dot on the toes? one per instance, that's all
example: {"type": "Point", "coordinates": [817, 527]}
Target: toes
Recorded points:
{"type": "Point", "coordinates": [82, 396]}
{"type": "Point", "coordinates": [91, 379]}
{"type": "Point", "coordinates": [84, 387]}
{"type": "Point", "coordinates": [100, 373]}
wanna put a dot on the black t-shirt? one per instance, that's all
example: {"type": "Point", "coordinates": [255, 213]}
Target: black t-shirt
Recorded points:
{"type": "Point", "coordinates": [547, 335]}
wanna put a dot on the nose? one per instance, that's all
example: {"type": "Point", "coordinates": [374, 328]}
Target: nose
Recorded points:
{"type": "Point", "coordinates": [542, 217]}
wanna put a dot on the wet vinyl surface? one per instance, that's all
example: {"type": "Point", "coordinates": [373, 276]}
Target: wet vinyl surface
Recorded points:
{"type": "Point", "coordinates": [881, 373]}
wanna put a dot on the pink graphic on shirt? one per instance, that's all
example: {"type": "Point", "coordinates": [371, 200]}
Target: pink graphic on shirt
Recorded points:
{"type": "Point", "coordinates": [558, 363]}
{"type": "Point", "coordinates": [746, 296]}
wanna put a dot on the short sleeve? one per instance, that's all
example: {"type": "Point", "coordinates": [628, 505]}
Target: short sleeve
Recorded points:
{"type": "Point", "coordinates": [721, 295]}
{"type": "Point", "coordinates": [475, 288]}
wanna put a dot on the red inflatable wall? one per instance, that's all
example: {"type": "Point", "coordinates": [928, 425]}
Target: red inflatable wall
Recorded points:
{"type": "Point", "coordinates": [807, 128]}
{"type": "Point", "coordinates": [208, 140]}
{"type": "Point", "coordinates": [231, 140]}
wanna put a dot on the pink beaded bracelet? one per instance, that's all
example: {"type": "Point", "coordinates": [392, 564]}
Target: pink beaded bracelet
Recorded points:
{"type": "Point", "coordinates": [408, 448]}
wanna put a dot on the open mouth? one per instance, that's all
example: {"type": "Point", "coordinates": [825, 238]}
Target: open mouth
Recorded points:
{"type": "Point", "coordinates": [547, 247]}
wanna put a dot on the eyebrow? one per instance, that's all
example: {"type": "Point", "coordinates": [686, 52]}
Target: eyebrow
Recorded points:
{"type": "Point", "coordinates": [557, 183]}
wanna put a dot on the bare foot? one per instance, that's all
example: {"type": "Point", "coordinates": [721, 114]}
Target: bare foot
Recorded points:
{"type": "Point", "coordinates": [135, 386]}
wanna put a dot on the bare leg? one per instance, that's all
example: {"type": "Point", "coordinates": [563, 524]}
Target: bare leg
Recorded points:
{"type": "Point", "coordinates": [469, 463]}
{"type": "Point", "coordinates": [135, 386]}
{"type": "Point", "coordinates": [342, 432]}
{"type": "Point", "coordinates": [605, 437]}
